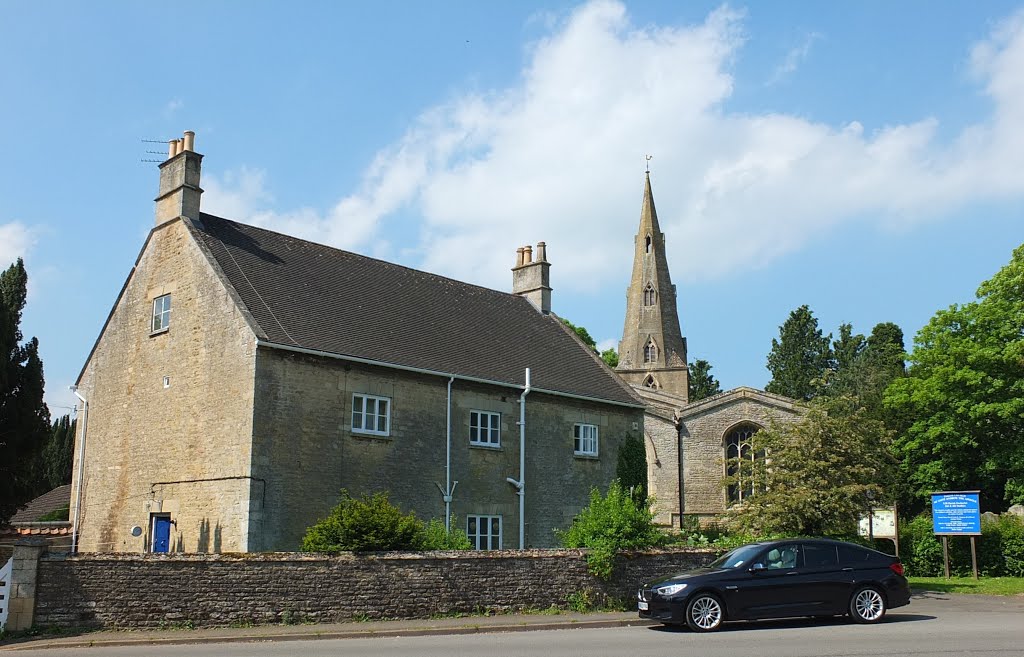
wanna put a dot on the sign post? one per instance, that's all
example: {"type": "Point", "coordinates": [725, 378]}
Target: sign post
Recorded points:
{"type": "Point", "coordinates": [957, 513]}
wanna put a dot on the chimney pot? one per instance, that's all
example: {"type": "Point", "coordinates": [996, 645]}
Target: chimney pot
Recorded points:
{"type": "Point", "coordinates": [542, 252]}
{"type": "Point", "coordinates": [519, 257]}
{"type": "Point", "coordinates": [170, 149]}
{"type": "Point", "coordinates": [190, 140]}
{"type": "Point", "coordinates": [527, 255]}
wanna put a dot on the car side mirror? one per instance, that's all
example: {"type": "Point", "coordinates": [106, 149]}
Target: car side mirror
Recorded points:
{"type": "Point", "coordinates": [757, 567]}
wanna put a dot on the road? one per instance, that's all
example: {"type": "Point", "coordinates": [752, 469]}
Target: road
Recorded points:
{"type": "Point", "coordinates": [935, 625]}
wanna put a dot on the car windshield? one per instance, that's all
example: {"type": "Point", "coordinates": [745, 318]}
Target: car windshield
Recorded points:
{"type": "Point", "coordinates": [739, 557]}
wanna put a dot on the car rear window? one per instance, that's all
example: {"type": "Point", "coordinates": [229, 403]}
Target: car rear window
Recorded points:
{"type": "Point", "coordinates": [818, 556]}
{"type": "Point", "coordinates": [853, 555]}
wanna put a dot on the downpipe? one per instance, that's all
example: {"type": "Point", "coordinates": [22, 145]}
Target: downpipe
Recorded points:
{"type": "Point", "coordinates": [81, 469]}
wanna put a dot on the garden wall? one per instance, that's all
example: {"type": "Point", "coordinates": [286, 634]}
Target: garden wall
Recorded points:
{"type": "Point", "coordinates": [147, 590]}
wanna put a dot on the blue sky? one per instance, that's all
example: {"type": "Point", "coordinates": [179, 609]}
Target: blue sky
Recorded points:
{"type": "Point", "coordinates": [863, 158]}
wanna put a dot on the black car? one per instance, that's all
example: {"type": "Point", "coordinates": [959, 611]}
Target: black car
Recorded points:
{"type": "Point", "coordinates": [778, 579]}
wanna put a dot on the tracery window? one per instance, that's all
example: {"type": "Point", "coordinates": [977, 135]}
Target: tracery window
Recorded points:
{"type": "Point", "coordinates": [739, 458]}
{"type": "Point", "coordinates": [649, 295]}
{"type": "Point", "coordinates": [651, 382]}
{"type": "Point", "coordinates": [650, 351]}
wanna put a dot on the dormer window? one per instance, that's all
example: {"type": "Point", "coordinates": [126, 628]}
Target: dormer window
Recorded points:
{"type": "Point", "coordinates": [648, 244]}
{"type": "Point", "coordinates": [161, 314]}
{"type": "Point", "coordinates": [649, 295]}
{"type": "Point", "coordinates": [650, 351]}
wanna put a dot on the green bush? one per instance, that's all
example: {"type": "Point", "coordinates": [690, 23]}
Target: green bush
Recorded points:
{"type": "Point", "coordinates": [611, 523]}
{"type": "Point", "coordinates": [367, 524]}
{"type": "Point", "coordinates": [1000, 549]}
{"type": "Point", "coordinates": [436, 537]}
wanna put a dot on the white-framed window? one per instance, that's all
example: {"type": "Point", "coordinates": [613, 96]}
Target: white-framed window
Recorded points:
{"type": "Point", "coordinates": [161, 313]}
{"type": "Point", "coordinates": [485, 428]}
{"type": "Point", "coordinates": [484, 532]}
{"type": "Point", "coordinates": [371, 415]}
{"type": "Point", "coordinates": [584, 439]}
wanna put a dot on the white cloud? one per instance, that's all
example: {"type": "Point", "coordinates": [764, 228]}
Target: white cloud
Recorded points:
{"type": "Point", "coordinates": [558, 157]}
{"type": "Point", "coordinates": [172, 107]}
{"type": "Point", "coordinates": [793, 58]}
{"type": "Point", "coordinates": [15, 241]}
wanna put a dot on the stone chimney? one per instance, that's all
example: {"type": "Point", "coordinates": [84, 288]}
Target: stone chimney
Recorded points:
{"type": "Point", "coordinates": [531, 278]}
{"type": "Point", "coordinates": [179, 181]}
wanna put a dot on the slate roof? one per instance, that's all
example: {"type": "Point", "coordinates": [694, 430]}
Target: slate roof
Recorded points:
{"type": "Point", "coordinates": [307, 295]}
{"type": "Point", "coordinates": [58, 498]}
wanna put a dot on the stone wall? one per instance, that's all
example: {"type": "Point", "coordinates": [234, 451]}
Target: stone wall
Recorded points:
{"type": "Point", "coordinates": [136, 591]}
{"type": "Point", "coordinates": [305, 450]}
{"type": "Point", "coordinates": [703, 430]}
{"type": "Point", "coordinates": [170, 412]}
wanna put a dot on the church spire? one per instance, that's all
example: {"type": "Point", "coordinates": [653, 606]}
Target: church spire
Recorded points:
{"type": "Point", "coordinates": [652, 352]}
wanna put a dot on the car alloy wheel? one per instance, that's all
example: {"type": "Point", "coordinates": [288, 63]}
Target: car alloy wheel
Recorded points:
{"type": "Point", "coordinates": [704, 613]}
{"type": "Point", "coordinates": [867, 605]}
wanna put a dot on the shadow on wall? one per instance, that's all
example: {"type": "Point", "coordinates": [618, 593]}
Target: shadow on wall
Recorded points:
{"type": "Point", "coordinates": [203, 544]}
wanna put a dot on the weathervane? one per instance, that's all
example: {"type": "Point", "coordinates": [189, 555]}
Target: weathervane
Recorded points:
{"type": "Point", "coordinates": [648, 158]}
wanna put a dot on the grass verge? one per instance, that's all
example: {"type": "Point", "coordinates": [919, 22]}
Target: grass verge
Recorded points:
{"type": "Point", "coordinates": [983, 585]}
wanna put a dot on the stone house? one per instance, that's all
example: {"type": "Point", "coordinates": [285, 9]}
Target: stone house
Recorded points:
{"type": "Point", "coordinates": [243, 377]}
{"type": "Point", "coordinates": [688, 444]}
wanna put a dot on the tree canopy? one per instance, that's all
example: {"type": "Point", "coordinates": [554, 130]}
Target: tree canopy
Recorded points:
{"type": "Point", "coordinates": [800, 357]}
{"type": "Point", "coordinates": [812, 477]}
{"type": "Point", "coordinates": [24, 418]}
{"type": "Point", "coordinates": [962, 401]}
{"type": "Point", "coordinates": [702, 383]}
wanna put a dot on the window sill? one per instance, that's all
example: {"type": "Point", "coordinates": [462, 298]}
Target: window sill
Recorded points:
{"type": "Point", "coordinates": [370, 436]}
{"type": "Point", "coordinates": [492, 448]}
{"type": "Point", "coordinates": [586, 457]}
{"type": "Point", "coordinates": [157, 332]}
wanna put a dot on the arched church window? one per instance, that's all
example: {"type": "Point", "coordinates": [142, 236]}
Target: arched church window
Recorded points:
{"type": "Point", "coordinates": [648, 244]}
{"type": "Point", "coordinates": [650, 351]}
{"type": "Point", "coordinates": [741, 459]}
{"type": "Point", "coordinates": [651, 382]}
{"type": "Point", "coordinates": [649, 295]}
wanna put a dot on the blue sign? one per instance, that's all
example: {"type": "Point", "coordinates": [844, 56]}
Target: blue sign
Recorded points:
{"type": "Point", "coordinates": [956, 513]}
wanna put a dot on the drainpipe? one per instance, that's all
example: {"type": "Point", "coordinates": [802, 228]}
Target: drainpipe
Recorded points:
{"type": "Point", "coordinates": [521, 484]}
{"type": "Point", "coordinates": [449, 485]}
{"type": "Point", "coordinates": [81, 467]}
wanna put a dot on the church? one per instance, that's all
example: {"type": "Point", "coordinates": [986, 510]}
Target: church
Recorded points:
{"type": "Point", "coordinates": [688, 444]}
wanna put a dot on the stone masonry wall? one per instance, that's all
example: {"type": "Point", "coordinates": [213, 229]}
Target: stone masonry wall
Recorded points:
{"type": "Point", "coordinates": [137, 591]}
{"type": "Point", "coordinates": [305, 449]}
{"type": "Point", "coordinates": [703, 438]}
{"type": "Point", "coordinates": [169, 406]}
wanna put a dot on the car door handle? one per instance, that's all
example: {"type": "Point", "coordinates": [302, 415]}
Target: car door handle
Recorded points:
{"type": "Point", "coordinates": [847, 570]}
{"type": "Point", "coordinates": [731, 588]}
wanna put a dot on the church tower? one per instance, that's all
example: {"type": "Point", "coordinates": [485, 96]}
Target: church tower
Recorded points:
{"type": "Point", "coordinates": [652, 352]}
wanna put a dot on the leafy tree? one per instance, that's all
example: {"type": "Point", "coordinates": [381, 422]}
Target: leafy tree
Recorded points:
{"type": "Point", "coordinates": [865, 367]}
{"type": "Point", "coordinates": [702, 383]}
{"type": "Point", "coordinates": [366, 524]}
{"type": "Point", "coordinates": [24, 418]}
{"type": "Point", "coordinates": [816, 473]}
{"type": "Point", "coordinates": [610, 357]}
{"type": "Point", "coordinates": [962, 401]}
{"type": "Point", "coordinates": [800, 358]}
{"type": "Point", "coordinates": [58, 454]}
{"type": "Point", "coordinates": [582, 333]}
{"type": "Point", "coordinates": [631, 469]}
{"type": "Point", "coordinates": [608, 524]}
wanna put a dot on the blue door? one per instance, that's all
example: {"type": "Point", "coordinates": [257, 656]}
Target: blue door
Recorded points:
{"type": "Point", "coordinates": [161, 533]}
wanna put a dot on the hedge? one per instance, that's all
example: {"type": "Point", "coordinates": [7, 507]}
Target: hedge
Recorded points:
{"type": "Point", "coordinates": [1000, 549]}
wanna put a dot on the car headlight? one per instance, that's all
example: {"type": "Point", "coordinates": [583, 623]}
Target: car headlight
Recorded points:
{"type": "Point", "coordinates": [669, 589]}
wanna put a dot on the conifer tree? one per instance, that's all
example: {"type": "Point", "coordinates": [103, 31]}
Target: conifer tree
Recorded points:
{"type": "Point", "coordinates": [24, 418]}
{"type": "Point", "coordinates": [702, 383]}
{"type": "Point", "coordinates": [800, 358]}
